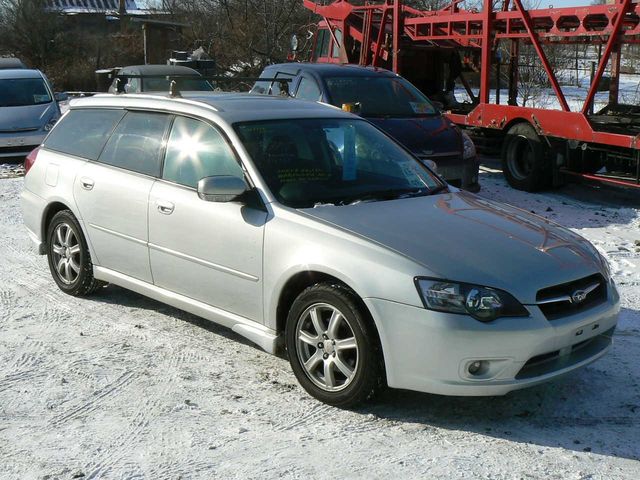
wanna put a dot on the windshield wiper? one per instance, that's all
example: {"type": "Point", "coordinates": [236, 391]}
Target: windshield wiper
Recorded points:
{"type": "Point", "coordinates": [438, 189]}
{"type": "Point", "coordinates": [387, 194]}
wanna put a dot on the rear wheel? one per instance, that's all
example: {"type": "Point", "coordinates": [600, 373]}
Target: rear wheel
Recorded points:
{"type": "Point", "coordinates": [333, 347]}
{"type": "Point", "coordinates": [525, 159]}
{"type": "Point", "coordinates": [68, 255]}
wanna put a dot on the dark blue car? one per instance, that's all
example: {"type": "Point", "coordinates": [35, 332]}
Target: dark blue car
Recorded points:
{"type": "Point", "coordinates": [388, 101]}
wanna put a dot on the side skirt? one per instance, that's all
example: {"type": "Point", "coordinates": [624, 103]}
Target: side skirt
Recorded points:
{"type": "Point", "coordinates": [262, 336]}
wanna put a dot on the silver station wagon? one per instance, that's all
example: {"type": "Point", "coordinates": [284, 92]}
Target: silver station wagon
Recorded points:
{"type": "Point", "coordinates": [305, 228]}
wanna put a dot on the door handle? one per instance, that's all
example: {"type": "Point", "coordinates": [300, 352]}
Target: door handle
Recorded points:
{"type": "Point", "coordinates": [87, 183]}
{"type": "Point", "coordinates": [165, 207]}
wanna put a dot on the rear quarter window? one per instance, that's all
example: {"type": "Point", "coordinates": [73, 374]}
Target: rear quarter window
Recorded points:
{"type": "Point", "coordinates": [83, 132]}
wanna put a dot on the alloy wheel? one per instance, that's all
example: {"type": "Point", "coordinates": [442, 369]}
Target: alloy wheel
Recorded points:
{"type": "Point", "coordinates": [327, 347]}
{"type": "Point", "coordinates": [66, 253]}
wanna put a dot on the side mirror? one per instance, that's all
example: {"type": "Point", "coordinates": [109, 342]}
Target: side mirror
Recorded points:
{"type": "Point", "coordinates": [438, 105]}
{"type": "Point", "coordinates": [222, 188]}
{"type": "Point", "coordinates": [61, 96]}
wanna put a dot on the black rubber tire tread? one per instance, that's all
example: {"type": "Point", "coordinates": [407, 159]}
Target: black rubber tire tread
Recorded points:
{"type": "Point", "coordinates": [541, 176]}
{"type": "Point", "coordinates": [85, 284]}
{"type": "Point", "coordinates": [369, 378]}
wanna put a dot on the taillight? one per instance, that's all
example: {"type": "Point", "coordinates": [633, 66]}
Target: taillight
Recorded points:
{"type": "Point", "coordinates": [30, 160]}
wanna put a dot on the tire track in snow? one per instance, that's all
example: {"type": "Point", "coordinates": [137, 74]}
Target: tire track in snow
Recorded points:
{"type": "Point", "coordinates": [317, 411]}
{"type": "Point", "coordinates": [89, 406]}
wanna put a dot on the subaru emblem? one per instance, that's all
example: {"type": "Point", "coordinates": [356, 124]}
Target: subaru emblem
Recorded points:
{"type": "Point", "coordinates": [578, 296]}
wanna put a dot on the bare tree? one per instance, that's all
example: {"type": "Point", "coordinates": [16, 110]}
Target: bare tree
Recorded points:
{"type": "Point", "coordinates": [28, 29]}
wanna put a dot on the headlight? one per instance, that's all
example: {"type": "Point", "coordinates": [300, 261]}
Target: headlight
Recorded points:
{"type": "Point", "coordinates": [468, 147]}
{"type": "Point", "coordinates": [49, 125]}
{"type": "Point", "coordinates": [606, 268]}
{"type": "Point", "coordinates": [482, 303]}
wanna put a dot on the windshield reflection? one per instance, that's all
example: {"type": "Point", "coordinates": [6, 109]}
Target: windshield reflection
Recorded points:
{"type": "Point", "coordinates": [311, 162]}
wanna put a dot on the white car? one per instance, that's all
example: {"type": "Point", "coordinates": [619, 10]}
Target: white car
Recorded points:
{"type": "Point", "coordinates": [301, 226]}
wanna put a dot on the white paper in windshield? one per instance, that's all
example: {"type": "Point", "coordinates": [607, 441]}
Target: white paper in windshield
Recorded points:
{"type": "Point", "coordinates": [413, 173]}
{"type": "Point", "coordinates": [421, 107]}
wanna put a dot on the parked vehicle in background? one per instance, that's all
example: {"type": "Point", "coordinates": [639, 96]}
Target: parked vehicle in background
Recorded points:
{"type": "Point", "coordinates": [128, 79]}
{"type": "Point", "coordinates": [267, 215]}
{"type": "Point", "coordinates": [12, 63]}
{"type": "Point", "coordinates": [28, 110]}
{"type": "Point", "coordinates": [391, 103]}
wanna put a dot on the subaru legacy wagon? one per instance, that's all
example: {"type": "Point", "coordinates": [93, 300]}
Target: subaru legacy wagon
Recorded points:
{"type": "Point", "coordinates": [305, 228]}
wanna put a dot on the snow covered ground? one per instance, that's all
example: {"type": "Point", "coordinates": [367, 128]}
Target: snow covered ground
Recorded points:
{"type": "Point", "coordinates": [540, 97]}
{"type": "Point", "coordinates": [120, 386]}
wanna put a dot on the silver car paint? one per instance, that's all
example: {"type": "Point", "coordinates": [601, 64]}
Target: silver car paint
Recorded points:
{"type": "Point", "coordinates": [217, 260]}
{"type": "Point", "coordinates": [450, 235]}
{"type": "Point", "coordinates": [102, 194]}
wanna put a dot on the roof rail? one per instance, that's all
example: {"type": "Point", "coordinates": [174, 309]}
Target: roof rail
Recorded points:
{"type": "Point", "coordinates": [174, 80]}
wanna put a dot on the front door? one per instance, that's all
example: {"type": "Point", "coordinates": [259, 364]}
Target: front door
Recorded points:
{"type": "Point", "coordinates": [211, 252]}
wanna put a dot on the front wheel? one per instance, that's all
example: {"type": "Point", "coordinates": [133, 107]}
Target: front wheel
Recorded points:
{"type": "Point", "coordinates": [333, 347]}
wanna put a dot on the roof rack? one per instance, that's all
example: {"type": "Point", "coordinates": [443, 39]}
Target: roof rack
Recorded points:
{"type": "Point", "coordinates": [175, 92]}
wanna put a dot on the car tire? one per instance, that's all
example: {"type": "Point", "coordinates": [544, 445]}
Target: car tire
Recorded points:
{"type": "Point", "coordinates": [68, 255]}
{"type": "Point", "coordinates": [338, 363]}
{"type": "Point", "coordinates": [525, 159]}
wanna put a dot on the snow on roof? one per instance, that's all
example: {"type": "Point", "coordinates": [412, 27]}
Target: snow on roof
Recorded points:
{"type": "Point", "coordinates": [92, 6]}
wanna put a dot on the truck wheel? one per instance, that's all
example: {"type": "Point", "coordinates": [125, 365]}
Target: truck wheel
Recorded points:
{"type": "Point", "coordinates": [525, 160]}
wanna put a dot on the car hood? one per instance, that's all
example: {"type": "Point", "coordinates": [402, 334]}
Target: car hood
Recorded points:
{"type": "Point", "coordinates": [463, 237]}
{"type": "Point", "coordinates": [26, 117]}
{"type": "Point", "coordinates": [424, 136]}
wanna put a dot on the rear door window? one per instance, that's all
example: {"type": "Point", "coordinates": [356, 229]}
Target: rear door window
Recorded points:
{"type": "Point", "coordinates": [197, 150]}
{"type": "Point", "coordinates": [276, 86]}
{"type": "Point", "coordinates": [136, 143]}
{"type": "Point", "coordinates": [83, 132]}
{"type": "Point", "coordinates": [308, 90]}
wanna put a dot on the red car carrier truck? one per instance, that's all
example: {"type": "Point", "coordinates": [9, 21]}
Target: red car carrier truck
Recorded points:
{"type": "Point", "coordinates": [539, 147]}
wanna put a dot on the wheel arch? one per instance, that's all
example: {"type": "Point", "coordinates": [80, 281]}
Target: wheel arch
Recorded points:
{"type": "Point", "coordinates": [57, 205]}
{"type": "Point", "coordinates": [299, 281]}
{"type": "Point", "coordinates": [50, 210]}
{"type": "Point", "coordinates": [516, 121]}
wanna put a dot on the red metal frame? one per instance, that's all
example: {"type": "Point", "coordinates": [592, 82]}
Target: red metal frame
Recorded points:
{"type": "Point", "coordinates": [609, 25]}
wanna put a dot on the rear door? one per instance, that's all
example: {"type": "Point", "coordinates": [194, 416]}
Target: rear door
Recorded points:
{"type": "Point", "coordinates": [211, 252]}
{"type": "Point", "coordinates": [112, 193]}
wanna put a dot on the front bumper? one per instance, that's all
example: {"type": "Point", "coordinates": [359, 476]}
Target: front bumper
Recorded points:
{"type": "Point", "coordinates": [431, 352]}
{"type": "Point", "coordinates": [19, 144]}
{"type": "Point", "coordinates": [458, 172]}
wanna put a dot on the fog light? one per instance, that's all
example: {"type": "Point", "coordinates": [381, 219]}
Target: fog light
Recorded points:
{"type": "Point", "coordinates": [478, 367]}
{"type": "Point", "coordinates": [474, 367]}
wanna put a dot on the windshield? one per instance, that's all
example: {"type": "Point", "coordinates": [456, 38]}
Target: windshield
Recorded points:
{"type": "Point", "coordinates": [20, 92]}
{"type": "Point", "coordinates": [183, 84]}
{"type": "Point", "coordinates": [380, 96]}
{"type": "Point", "coordinates": [311, 162]}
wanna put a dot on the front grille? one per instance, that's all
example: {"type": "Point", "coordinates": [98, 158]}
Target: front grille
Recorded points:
{"type": "Point", "coordinates": [559, 301]}
{"type": "Point", "coordinates": [553, 361]}
{"type": "Point", "coordinates": [20, 130]}
{"type": "Point", "coordinates": [442, 159]}
{"type": "Point", "coordinates": [17, 151]}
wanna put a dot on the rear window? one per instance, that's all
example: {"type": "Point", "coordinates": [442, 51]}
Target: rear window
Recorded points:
{"type": "Point", "coordinates": [136, 143]}
{"type": "Point", "coordinates": [83, 132]}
